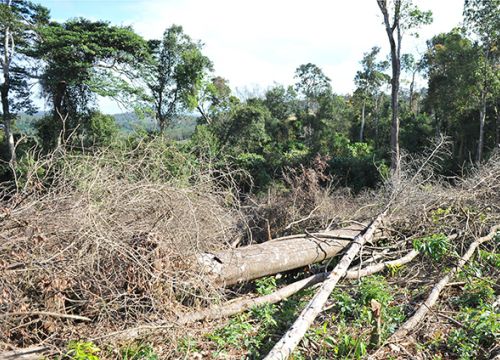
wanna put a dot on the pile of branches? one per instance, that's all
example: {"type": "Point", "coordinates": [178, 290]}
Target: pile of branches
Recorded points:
{"type": "Point", "coordinates": [108, 246]}
{"type": "Point", "coordinates": [93, 243]}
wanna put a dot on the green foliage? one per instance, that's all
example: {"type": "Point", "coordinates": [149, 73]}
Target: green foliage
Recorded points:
{"type": "Point", "coordinates": [102, 129]}
{"type": "Point", "coordinates": [479, 333]}
{"type": "Point", "coordinates": [345, 305]}
{"type": "Point", "coordinates": [265, 286]}
{"type": "Point", "coordinates": [477, 293]}
{"type": "Point", "coordinates": [438, 216]}
{"type": "Point", "coordinates": [435, 246]}
{"type": "Point", "coordinates": [492, 258]}
{"type": "Point", "coordinates": [79, 55]}
{"type": "Point", "coordinates": [375, 287]}
{"type": "Point", "coordinates": [351, 347]}
{"type": "Point", "coordinates": [187, 345]}
{"type": "Point", "coordinates": [79, 350]}
{"type": "Point", "coordinates": [48, 130]}
{"type": "Point", "coordinates": [235, 334]}
{"type": "Point", "coordinates": [175, 74]}
{"type": "Point", "coordinates": [312, 83]}
{"type": "Point", "coordinates": [204, 142]}
{"type": "Point", "coordinates": [138, 352]}
{"type": "Point", "coordinates": [354, 164]}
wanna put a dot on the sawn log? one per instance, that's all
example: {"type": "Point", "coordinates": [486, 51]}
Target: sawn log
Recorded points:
{"type": "Point", "coordinates": [254, 261]}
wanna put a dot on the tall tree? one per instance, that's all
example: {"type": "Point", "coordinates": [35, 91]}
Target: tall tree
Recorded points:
{"type": "Point", "coordinates": [312, 83]}
{"type": "Point", "coordinates": [18, 21]}
{"type": "Point", "coordinates": [176, 73]}
{"type": "Point", "coordinates": [83, 59]}
{"type": "Point", "coordinates": [313, 86]}
{"type": "Point", "coordinates": [410, 65]}
{"type": "Point", "coordinates": [482, 18]}
{"type": "Point", "coordinates": [451, 62]}
{"type": "Point", "coordinates": [368, 82]}
{"type": "Point", "coordinates": [213, 99]}
{"type": "Point", "coordinates": [399, 15]}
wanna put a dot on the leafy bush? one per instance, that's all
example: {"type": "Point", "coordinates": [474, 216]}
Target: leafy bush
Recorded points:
{"type": "Point", "coordinates": [435, 246]}
{"type": "Point", "coordinates": [477, 293]}
{"type": "Point", "coordinates": [79, 350]}
{"type": "Point", "coordinates": [139, 352]}
{"type": "Point", "coordinates": [479, 332]}
{"type": "Point", "coordinates": [344, 303]}
{"type": "Point", "coordinates": [101, 129]}
{"type": "Point", "coordinates": [375, 287]}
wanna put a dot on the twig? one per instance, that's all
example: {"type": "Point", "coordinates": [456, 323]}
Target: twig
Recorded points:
{"type": "Point", "coordinates": [289, 226]}
{"type": "Point", "coordinates": [45, 313]}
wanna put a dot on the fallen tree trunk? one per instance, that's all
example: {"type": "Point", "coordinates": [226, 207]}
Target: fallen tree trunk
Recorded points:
{"type": "Point", "coordinates": [284, 348]}
{"type": "Point", "coordinates": [238, 306]}
{"type": "Point", "coordinates": [431, 300]}
{"type": "Point", "coordinates": [254, 261]}
{"type": "Point", "coordinates": [32, 353]}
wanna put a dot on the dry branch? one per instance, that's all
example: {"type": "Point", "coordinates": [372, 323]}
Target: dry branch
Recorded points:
{"type": "Point", "coordinates": [431, 300]}
{"type": "Point", "coordinates": [255, 261]}
{"type": "Point", "coordinates": [284, 348]}
{"type": "Point", "coordinates": [45, 313]}
{"type": "Point", "coordinates": [238, 306]}
{"type": "Point", "coordinates": [32, 353]}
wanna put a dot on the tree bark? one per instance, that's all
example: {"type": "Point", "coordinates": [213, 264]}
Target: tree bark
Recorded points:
{"type": "Point", "coordinates": [497, 127]}
{"type": "Point", "coordinates": [396, 72]}
{"type": "Point", "coordinates": [362, 129]}
{"type": "Point", "coordinates": [32, 353]}
{"type": "Point", "coordinates": [238, 306]}
{"type": "Point", "coordinates": [8, 48]}
{"type": "Point", "coordinates": [254, 261]}
{"type": "Point", "coordinates": [482, 119]}
{"type": "Point", "coordinates": [284, 348]}
{"type": "Point", "coordinates": [376, 112]}
{"type": "Point", "coordinates": [413, 107]}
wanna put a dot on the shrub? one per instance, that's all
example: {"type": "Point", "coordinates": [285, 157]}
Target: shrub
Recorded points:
{"type": "Point", "coordinates": [478, 334]}
{"type": "Point", "coordinates": [101, 129]}
{"type": "Point", "coordinates": [477, 293]}
{"type": "Point", "coordinates": [435, 246]}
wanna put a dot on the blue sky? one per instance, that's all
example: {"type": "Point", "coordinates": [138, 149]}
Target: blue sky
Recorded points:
{"type": "Point", "coordinates": [256, 43]}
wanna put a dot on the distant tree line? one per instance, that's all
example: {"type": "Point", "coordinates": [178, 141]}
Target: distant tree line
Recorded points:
{"type": "Point", "coordinates": [358, 136]}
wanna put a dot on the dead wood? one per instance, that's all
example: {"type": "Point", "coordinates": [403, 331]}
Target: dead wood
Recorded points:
{"type": "Point", "coordinates": [32, 353]}
{"type": "Point", "coordinates": [433, 297]}
{"type": "Point", "coordinates": [284, 348]}
{"type": "Point", "coordinates": [45, 313]}
{"type": "Point", "coordinates": [254, 261]}
{"type": "Point", "coordinates": [238, 306]}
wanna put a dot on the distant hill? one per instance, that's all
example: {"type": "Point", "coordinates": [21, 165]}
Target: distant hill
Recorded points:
{"type": "Point", "coordinates": [182, 127]}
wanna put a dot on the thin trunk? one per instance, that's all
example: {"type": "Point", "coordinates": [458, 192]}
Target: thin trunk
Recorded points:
{"type": "Point", "coordinates": [396, 72]}
{"type": "Point", "coordinates": [5, 88]}
{"type": "Point", "coordinates": [362, 129]}
{"type": "Point", "coordinates": [437, 121]}
{"type": "Point", "coordinates": [377, 99]}
{"type": "Point", "coordinates": [412, 89]}
{"type": "Point", "coordinates": [497, 127]}
{"type": "Point", "coordinates": [461, 155]}
{"type": "Point", "coordinates": [59, 113]}
{"type": "Point", "coordinates": [204, 114]}
{"type": "Point", "coordinates": [482, 118]}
